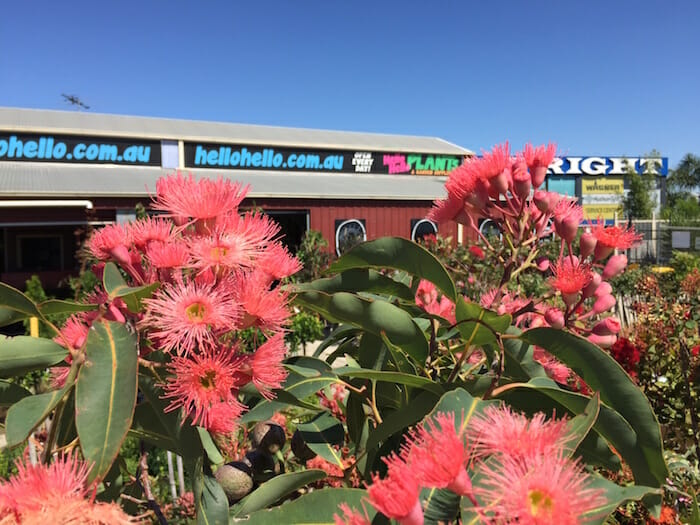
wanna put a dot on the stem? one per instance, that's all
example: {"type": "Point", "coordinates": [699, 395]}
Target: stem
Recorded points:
{"type": "Point", "coordinates": [459, 363]}
{"type": "Point", "coordinates": [373, 403]}
{"type": "Point", "coordinates": [53, 431]}
{"type": "Point", "coordinates": [145, 484]}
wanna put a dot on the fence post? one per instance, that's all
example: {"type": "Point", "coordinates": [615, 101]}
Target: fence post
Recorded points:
{"type": "Point", "coordinates": [171, 476]}
{"type": "Point", "coordinates": [654, 240]}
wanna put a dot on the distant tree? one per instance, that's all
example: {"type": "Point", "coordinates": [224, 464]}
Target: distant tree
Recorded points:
{"type": "Point", "coordinates": [638, 202]}
{"type": "Point", "coordinates": [682, 187]}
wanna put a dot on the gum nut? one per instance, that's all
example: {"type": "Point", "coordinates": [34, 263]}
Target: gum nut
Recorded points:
{"type": "Point", "coordinates": [235, 479]}
{"type": "Point", "coordinates": [268, 436]}
{"type": "Point", "coordinates": [300, 448]}
{"type": "Point", "coordinates": [261, 464]}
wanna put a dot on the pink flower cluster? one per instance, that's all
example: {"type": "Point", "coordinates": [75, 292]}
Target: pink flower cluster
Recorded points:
{"type": "Point", "coordinates": [40, 494]}
{"type": "Point", "coordinates": [525, 475]}
{"type": "Point", "coordinates": [504, 189]}
{"type": "Point", "coordinates": [218, 271]}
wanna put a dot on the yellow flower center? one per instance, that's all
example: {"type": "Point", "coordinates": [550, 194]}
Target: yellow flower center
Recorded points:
{"type": "Point", "coordinates": [218, 252]}
{"type": "Point", "coordinates": [207, 380]}
{"type": "Point", "coordinates": [540, 502]}
{"type": "Point", "coordinates": [195, 312]}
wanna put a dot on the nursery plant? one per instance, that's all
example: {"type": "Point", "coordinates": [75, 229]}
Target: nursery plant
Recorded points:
{"type": "Point", "coordinates": [426, 408]}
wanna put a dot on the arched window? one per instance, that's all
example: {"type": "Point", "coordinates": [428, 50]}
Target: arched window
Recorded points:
{"type": "Point", "coordinates": [422, 227]}
{"type": "Point", "coordinates": [349, 233]}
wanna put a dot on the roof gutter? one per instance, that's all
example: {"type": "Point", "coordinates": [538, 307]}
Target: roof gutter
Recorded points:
{"type": "Point", "coordinates": [47, 204]}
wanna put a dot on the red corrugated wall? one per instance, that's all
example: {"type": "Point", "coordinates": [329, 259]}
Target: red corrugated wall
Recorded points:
{"type": "Point", "coordinates": [382, 217]}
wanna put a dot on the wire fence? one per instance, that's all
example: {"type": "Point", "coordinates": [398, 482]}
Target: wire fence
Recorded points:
{"type": "Point", "coordinates": [660, 239]}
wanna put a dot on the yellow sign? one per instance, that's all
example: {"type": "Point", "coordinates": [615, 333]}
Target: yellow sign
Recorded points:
{"type": "Point", "coordinates": [605, 211]}
{"type": "Point", "coordinates": [602, 185]}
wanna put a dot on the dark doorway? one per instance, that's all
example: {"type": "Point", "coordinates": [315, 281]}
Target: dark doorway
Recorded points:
{"type": "Point", "coordinates": [293, 224]}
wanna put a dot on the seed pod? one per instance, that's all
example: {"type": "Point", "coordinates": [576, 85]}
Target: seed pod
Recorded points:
{"type": "Point", "coordinates": [268, 437]}
{"type": "Point", "coordinates": [263, 466]}
{"type": "Point", "coordinates": [235, 478]}
{"type": "Point", "coordinates": [300, 449]}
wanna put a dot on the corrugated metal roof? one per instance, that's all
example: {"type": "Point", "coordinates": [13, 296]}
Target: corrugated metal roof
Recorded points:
{"type": "Point", "coordinates": [75, 122]}
{"type": "Point", "coordinates": [18, 179]}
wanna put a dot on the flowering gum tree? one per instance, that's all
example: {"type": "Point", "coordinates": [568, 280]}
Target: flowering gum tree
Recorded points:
{"type": "Point", "coordinates": [428, 407]}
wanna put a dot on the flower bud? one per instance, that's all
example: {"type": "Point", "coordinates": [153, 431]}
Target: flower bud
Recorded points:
{"type": "Point", "coordinates": [521, 179]}
{"type": "Point", "coordinates": [555, 318]}
{"type": "Point", "coordinates": [588, 242]}
{"type": "Point", "coordinates": [541, 200]}
{"type": "Point", "coordinates": [591, 288]}
{"type": "Point", "coordinates": [603, 341]}
{"type": "Point", "coordinates": [603, 304]}
{"type": "Point", "coordinates": [601, 251]}
{"type": "Point", "coordinates": [566, 229]}
{"type": "Point", "coordinates": [603, 289]}
{"type": "Point", "coordinates": [608, 326]}
{"type": "Point", "coordinates": [615, 266]}
{"type": "Point", "coordinates": [538, 174]}
{"type": "Point", "coordinates": [543, 264]}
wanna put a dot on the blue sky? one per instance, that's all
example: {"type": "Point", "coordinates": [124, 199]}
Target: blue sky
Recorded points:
{"type": "Point", "coordinates": [596, 77]}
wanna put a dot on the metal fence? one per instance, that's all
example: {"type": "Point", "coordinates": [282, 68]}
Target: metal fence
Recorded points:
{"type": "Point", "coordinates": [660, 239]}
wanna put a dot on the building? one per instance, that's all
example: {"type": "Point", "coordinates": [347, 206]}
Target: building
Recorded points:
{"type": "Point", "coordinates": [63, 172]}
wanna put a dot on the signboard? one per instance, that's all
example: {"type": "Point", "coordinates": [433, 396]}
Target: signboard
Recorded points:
{"type": "Point", "coordinates": [278, 158]}
{"type": "Point", "coordinates": [20, 147]}
{"type": "Point", "coordinates": [614, 186]}
{"type": "Point", "coordinates": [596, 166]}
{"type": "Point", "coordinates": [606, 211]}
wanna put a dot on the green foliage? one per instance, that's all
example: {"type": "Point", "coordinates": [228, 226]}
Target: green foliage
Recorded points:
{"type": "Point", "coordinates": [305, 328]}
{"type": "Point", "coordinates": [314, 256]}
{"type": "Point", "coordinates": [638, 203]}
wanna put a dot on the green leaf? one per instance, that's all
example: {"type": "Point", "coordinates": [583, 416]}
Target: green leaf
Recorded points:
{"type": "Point", "coordinates": [105, 393]}
{"type": "Point", "coordinates": [25, 415]}
{"type": "Point", "coordinates": [116, 286]}
{"type": "Point", "coordinates": [695, 515]}
{"type": "Point", "coordinates": [439, 505]}
{"type": "Point", "coordinates": [22, 354]}
{"type": "Point", "coordinates": [396, 421]}
{"type": "Point", "coordinates": [209, 447]}
{"type": "Point", "coordinates": [519, 363]}
{"type": "Point", "coordinates": [57, 306]}
{"type": "Point", "coordinates": [602, 373]}
{"type": "Point", "coordinates": [343, 332]}
{"type": "Point", "coordinates": [616, 496]}
{"type": "Point", "coordinates": [10, 393]}
{"type": "Point", "coordinates": [15, 306]}
{"type": "Point", "coordinates": [358, 280]}
{"type": "Point", "coordinates": [314, 508]}
{"type": "Point", "coordinates": [376, 317]}
{"type": "Point", "coordinates": [581, 425]}
{"type": "Point", "coordinates": [477, 325]}
{"type": "Point", "coordinates": [321, 434]}
{"type": "Point", "coordinates": [210, 500]}
{"type": "Point", "coordinates": [297, 385]}
{"type": "Point", "coordinates": [400, 254]}
{"type": "Point", "coordinates": [8, 316]}
{"type": "Point", "coordinates": [183, 435]}
{"type": "Point", "coordinates": [392, 377]}
{"type": "Point", "coordinates": [275, 489]}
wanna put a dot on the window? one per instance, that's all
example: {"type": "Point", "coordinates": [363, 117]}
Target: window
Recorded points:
{"type": "Point", "coordinates": [488, 228]}
{"type": "Point", "coordinates": [170, 154]}
{"type": "Point", "coordinates": [422, 227]}
{"type": "Point", "coordinates": [36, 253]}
{"type": "Point", "coordinates": [349, 233]}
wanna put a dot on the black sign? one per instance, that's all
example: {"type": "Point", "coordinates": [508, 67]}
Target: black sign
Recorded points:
{"type": "Point", "coordinates": [274, 158]}
{"type": "Point", "coordinates": [19, 147]}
